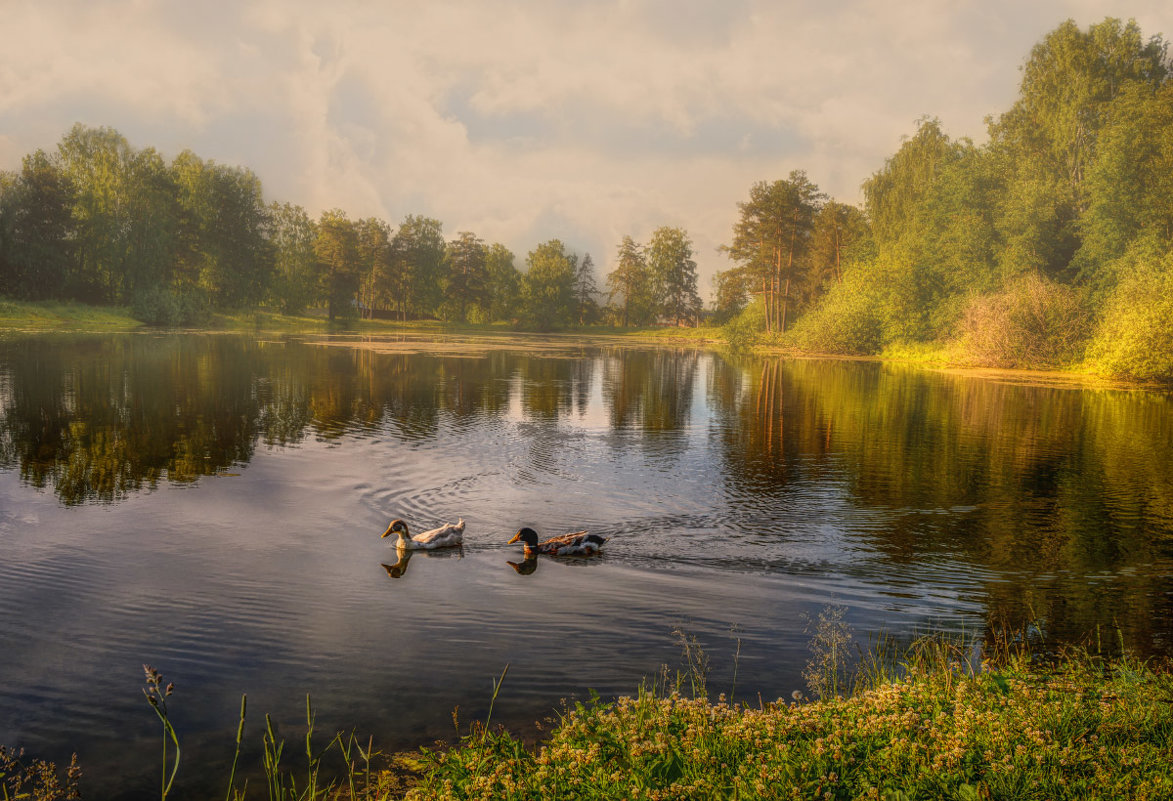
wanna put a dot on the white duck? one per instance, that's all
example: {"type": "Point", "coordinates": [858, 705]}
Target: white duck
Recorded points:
{"type": "Point", "coordinates": [446, 536]}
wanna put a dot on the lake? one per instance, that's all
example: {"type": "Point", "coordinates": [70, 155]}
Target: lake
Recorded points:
{"type": "Point", "coordinates": [212, 504]}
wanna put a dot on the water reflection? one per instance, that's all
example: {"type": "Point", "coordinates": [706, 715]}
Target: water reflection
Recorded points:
{"type": "Point", "coordinates": [399, 569]}
{"type": "Point", "coordinates": [734, 491]}
{"type": "Point", "coordinates": [1055, 483]}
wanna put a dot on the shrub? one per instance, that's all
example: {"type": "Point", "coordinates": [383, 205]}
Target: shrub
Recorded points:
{"type": "Point", "coordinates": [847, 321]}
{"type": "Point", "coordinates": [168, 307]}
{"type": "Point", "coordinates": [1134, 338]}
{"type": "Point", "coordinates": [1032, 322]}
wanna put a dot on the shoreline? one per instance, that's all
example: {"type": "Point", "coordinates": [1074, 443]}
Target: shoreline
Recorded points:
{"type": "Point", "coordinates": [21, 317]}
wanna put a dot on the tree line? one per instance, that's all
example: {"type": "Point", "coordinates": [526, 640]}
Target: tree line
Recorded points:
{"type": "Point", "coordinates": [1050, 244]}
{"type": "Point", "coordinates": [101, 222]}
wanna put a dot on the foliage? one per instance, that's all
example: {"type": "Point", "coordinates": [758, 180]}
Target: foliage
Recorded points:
{"type": "Point", "coordinates": [292, 235]}
{"type": "Point", "coordinates": [1134, 337]}
{"type": "Point", "coordinates": [169, 307]}
{"type": "Point", "coordinates": [771, 244]}
{"type": "Point", "coordinates": [1033, 322]}
{"type": "Point", "coordinates": [504, 283]}
{"type": "Point", "coordinates": [935, 730]}
{"type": "Point", "coordinates": [547, 288]}
{"type": "Point", "coordinates": [673, 273]}
{"type": "Point", "coordinates": [848, 321]}
{"type": "Point", "coordinates": [632, 281]}
{"type": "Point", "coordinates": [338, 260]}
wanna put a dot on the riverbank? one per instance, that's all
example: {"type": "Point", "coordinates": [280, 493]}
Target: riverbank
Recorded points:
{"type": "Point", "coordinates": [1085, 729]}
{"type": "Point", "coordinates": [74, 317]}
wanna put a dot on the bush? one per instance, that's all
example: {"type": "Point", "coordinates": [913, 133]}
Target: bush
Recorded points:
{"type": "Point", "coordinates": [169, 307]}
{"type": "Point", "coordinates": [1134, 338]}
{"type": "Point", "coordinates": [743, 330]}
{"type": "Point", "coordinates": [846, 321]}
{"type": "Point", "coordinates": [1033, 322]}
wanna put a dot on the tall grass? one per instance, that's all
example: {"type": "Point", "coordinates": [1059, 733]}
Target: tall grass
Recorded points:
{"type": "Point", "coordinates": [936, 719]}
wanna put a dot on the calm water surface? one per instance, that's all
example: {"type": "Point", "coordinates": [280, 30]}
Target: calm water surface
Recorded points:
{"type": "Point", "coordinates": [212, 505]}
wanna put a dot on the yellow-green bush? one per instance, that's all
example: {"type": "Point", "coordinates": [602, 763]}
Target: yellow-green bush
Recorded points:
{"type": "Point", "coordinates": [1134, 338]}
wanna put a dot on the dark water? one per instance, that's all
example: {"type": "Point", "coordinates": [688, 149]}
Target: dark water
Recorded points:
{"type": "Point", "coordinates": [212, 505]}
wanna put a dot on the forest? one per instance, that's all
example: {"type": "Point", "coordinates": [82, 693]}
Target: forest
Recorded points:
{"type": "Point", "coordinates": [1049, 245]}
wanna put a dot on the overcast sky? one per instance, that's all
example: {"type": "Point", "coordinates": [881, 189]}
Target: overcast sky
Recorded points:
{"type": "Point", "coordinates": [519, 120]}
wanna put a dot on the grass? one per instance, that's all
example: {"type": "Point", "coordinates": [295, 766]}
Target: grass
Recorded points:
{"type": "Point", "coordinates": [1083, 728]}
{"type": "Point", "coordinates": [55, 316]}
{"type": "Point", "coordinates": [929, 725]}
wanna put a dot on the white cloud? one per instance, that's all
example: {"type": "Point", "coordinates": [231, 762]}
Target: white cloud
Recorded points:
{"type": "Point", "coordinates": [525, 120]}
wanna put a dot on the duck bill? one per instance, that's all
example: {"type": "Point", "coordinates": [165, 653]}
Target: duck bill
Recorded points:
{"type": "Point", "coordinates": [387, 533]}
{"type": "Point", "coordinates": [516, 538]}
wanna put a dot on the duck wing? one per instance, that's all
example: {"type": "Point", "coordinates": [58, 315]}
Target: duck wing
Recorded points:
{"type": "Point", "coordinates": [578, 542]}
{"type": "Point", "coordinates": [447, 534]}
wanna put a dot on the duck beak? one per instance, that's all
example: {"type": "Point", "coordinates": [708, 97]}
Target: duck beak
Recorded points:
{"type": "Point", "coordinates": [516, 538]}
{"type": "Point", "coordinates": [387, 533]}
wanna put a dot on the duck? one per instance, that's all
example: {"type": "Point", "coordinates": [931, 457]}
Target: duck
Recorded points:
{"type": "Point", "coordinates": [578, 543]}
{"type": "Point", "coordinates": [446, 536]}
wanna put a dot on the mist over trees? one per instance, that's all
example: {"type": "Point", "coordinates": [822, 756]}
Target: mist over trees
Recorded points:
{"type": "Point", "coordinates": [1049, 244]}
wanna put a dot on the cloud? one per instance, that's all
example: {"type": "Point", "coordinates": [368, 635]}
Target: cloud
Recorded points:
{"type": "Point", "coordinates": [525, 120]}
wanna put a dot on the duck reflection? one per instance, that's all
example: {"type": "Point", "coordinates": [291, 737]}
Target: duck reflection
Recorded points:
{"type": "Point", "coordinates": [399, 569]}
{"type": "Point", "coordinates": [528, 565]}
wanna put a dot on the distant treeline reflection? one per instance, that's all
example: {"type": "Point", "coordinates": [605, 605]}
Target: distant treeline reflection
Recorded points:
{"type": "Point", "coordinates": [1035, 489]}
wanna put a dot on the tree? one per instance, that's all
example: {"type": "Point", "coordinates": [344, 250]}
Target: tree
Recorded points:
{"type": "Point", "coordinates": [1047, 141]}
{"type": "Point", "coordinates": [417, 266]}
{"type": "Point", "coordinates": [292, 235]}
{"type": "Point", "coordinates": [670, 262]}
{"type": "Point", "coordinates": [547, 288]}
{"type": "Point", "coordinates": [36, 220]}
{"type": "Point", "coordinates": [772, 238]}
{"type": "Point", "coordinates": [95, 160]}
{"type": "Point", "coordinates": [1129, 184]}
{"type": "Point", "coordinates": [225, 251]}
{"type": "Point", "coordinates": [468, 279]}
{"type": "Point", "coordinates": [585, 290]}
{"type": "Point", "coordinates": [732, 294]}
{"type": "Point", "coordinates": [339, 266]}
{"type": "Point", "coordinates": [632, 281]}
{"type": "Point", "coordinates": [374, 259]}
{"type": "Point", "coordinates": [504, 280]}
{"type": "Point", "coordinates": [837, 229]}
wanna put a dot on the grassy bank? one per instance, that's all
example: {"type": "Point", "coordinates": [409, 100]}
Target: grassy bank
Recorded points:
{"type": "Point", "coordinates": [53, 316]}
{"type": "Point", "coordinates": [931, 728]}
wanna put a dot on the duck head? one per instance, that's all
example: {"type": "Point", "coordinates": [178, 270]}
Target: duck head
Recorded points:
{"type": "Point", "coordinates": [526, 535]}
{"type": "Point", "coordinates": [397, 527]}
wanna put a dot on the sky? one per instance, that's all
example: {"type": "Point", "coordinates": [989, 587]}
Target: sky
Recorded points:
{"type": "Point", "coordinates": [527, 120]}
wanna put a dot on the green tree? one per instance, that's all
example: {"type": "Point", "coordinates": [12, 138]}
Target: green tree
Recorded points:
{"type": "Point", "coordinates": [374, 257]}
{"type": "Point", "coordinates": [838, 229]}
{"type": "Point", "coordinates": [547, 287]}
{"type": "Point", "coordinates": [36, 230]}
{"type": "Point", "coordinates": [95, 161]}
{"type": "Point", "coordinates": [1129, 184]}
{"type": "Point", "coordinates": [673, 270]}
{"type": "Point", "coordinates": [225, 251]}
{"type": "Point", "coordinates": [1046, 142]}
{"type": "Point", "coordinates": [292, 235]}
{"type": "Point", "coordinates": [417, 266]}
{"type": "Point", "coordinates": [586, 289]}
{"type": "Point", "coordinates": [771, 241]}
{"type": "Point", "coordinates": [468, 277]}
{"type": "Point", "coordinates": [632, 281]}
{"type": "Point", "coordinates": [339, 262]}
{"type": "Point", "coordinates": [504, 282]}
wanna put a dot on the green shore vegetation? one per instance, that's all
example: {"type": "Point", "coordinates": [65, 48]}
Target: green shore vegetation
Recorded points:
{"type": "Point", "coordinates": [1048, 246]}
{"type": "Point", "coordinates": [932, 725]}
